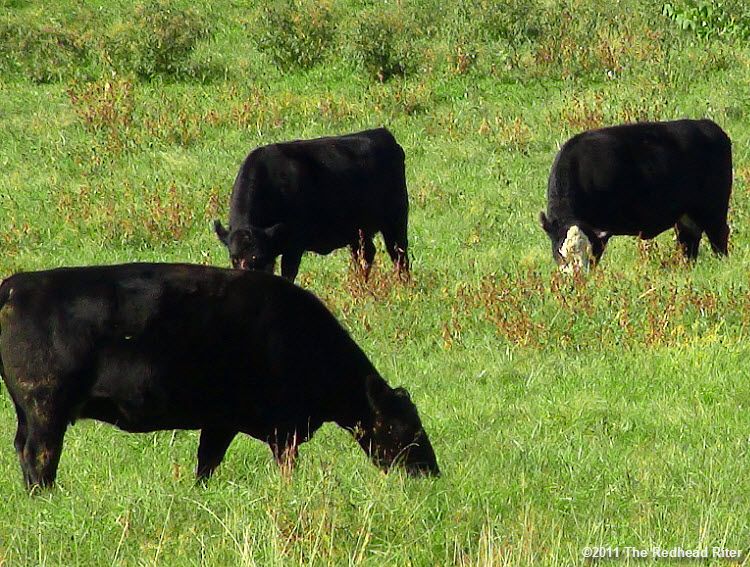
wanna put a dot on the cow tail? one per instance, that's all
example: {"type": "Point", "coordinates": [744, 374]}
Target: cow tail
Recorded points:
{"type": "Point", "coordinates": [4, 297]}
{"type": "Point", "coordinates": [4, 292]}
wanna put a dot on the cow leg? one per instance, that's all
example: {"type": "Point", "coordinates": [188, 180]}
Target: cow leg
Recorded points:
{"type": "Point", "coordinates": [397, 244]}
{"type": "Point", "coordinates": [363, 254]}
{"type": "Point", "coordinates": [285, 448]}
{"type": "Point", "coordinates": [714, 219]}
{"type": "Point", "coordinates": [718, 236]}
{"type": "Point", "coordinates": [20, 441]}
{"type": "Point", "coordinates": [714, 223]}
{"type": "Point", "coordinates": [213, 446]}
{"type": "Point", "coordinates": [286, 457]}
{"type": "Point", "coordinates": [688, 237]}
{"type": "Point", "coordinates": [290, 262]}
{"type": "Point", "coordinates": [269, 268]}
{"type": "Point", "coordinates": [42, 450]}
{"type": "Point", "coordinates": [284, 444]}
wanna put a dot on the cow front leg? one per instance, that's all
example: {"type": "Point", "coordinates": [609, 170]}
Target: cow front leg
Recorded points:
{"type": "Point", "coordinates": [212, 447]}
{"type": "Point", "coordinates": [290, 262]}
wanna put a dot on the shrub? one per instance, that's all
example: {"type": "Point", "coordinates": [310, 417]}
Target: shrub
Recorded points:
{"type": "Point", "coordinates": [295, 33]}
{"type": "Point", "coordinates": [159, 39]}
{"type": "Point", "coordinates": [584, 38]}
{"type": "Point", "coordinates": [42, 54]}
{"type": "Point", "coordinates": [385, 43]}
{"type": "Point", "coordinates": [515, 21]}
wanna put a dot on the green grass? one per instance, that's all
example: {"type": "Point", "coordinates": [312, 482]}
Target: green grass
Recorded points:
{"type": "Point", "coordinates": [612, 410]}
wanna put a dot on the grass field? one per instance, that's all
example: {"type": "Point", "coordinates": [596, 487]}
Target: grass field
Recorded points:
{"type": "Point", "coordinates": [611, 410]}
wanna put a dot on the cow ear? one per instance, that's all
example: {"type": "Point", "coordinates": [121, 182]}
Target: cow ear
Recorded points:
{"type": "Point", "coordinates": [402, 393]}
{"type": "Point", "coordinates": [545, 223]}
{"type": "Point", "coordinates": [378, 392]}
{"type": "Point", "coordinates": [221, 232]}
{"type": "Point", "coordinates": [278, 234]}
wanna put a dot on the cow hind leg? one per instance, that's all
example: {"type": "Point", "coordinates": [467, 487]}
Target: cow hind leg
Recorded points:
{"type": "Point", "coordinates": [714, 223]}
{"type": "Point", "coordinates": [688, 236]}
{"type": "Point", "coordinates": [363, 254]}
{"type": "Point", "coordinates": [285, 448]}
{"type": "Point", "coordinates": [20, 441]}
{"type": "Point", "coordinates": [284, 444]}
{"type": "Point", "coordinates": [718, 236]}
{"type": "Point", "coordinates": [290, 262]}
{"type": "Point", "coordinates": [41, 453]}
{"type": "Point", "coordinates": [714, 220]}
{"type": "Point", "coordinates": [213, 446]}
{"type": "Point", "coordinates": [286, 455]}
{"type": "Point", "coordinates": [397, 245]}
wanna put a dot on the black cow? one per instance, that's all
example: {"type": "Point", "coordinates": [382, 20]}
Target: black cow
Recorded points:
{"type": "Point", "coordinates": [148, 347]}
{"type": "Point", "coordinates": [641, 179]}
{"type": "Point", "coordinates": [319, 195]}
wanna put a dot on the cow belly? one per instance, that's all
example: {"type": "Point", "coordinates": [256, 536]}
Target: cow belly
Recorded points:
{"type": "Point", "coordinates": [644, 229]}
{"type": "Point", "coordinates": [140, 411]}
{"type": "Point", "coordinates": [137, 395]}
{"type": "Point", "coordinates": [326, 245]}
{"type": "Point", "coordinates": [641, 218]}
{"type": "Point", "coordinates": [333, 237]}
{"type": "Point", "coordinates": [324, 248]}
{"type": "Point", "coordinates": [134, 419]}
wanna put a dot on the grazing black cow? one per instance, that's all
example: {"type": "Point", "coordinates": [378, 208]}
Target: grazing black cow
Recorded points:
{"type": "Point", "coordinates": [319, 195]}
{"type": "Point", "coordinates": [148, 347]}
{"type": "Point", "coordinates": [639, 179]}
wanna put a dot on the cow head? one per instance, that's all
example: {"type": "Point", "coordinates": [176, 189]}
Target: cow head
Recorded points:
{"type": "Point", "coordinates": [251, 248]}
{"type": "Point", "coordinates": [575, 245]}
{"type": "Point", "coordinates": [396, 435]}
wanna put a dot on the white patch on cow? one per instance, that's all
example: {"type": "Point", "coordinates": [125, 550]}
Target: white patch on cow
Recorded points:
{"type": "Point", "coordinates": [576, 251]}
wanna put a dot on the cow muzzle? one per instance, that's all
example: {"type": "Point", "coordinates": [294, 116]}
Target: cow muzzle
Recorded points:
{"type": "Point", "coordinates": [576, 252]}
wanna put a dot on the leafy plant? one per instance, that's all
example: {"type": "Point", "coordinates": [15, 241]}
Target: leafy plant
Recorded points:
{"type": "Point", "coordinates": [710, 19]}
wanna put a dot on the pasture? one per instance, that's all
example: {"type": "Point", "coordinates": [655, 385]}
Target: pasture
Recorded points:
{"type": "Point", "coordinates": [604, 410]}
